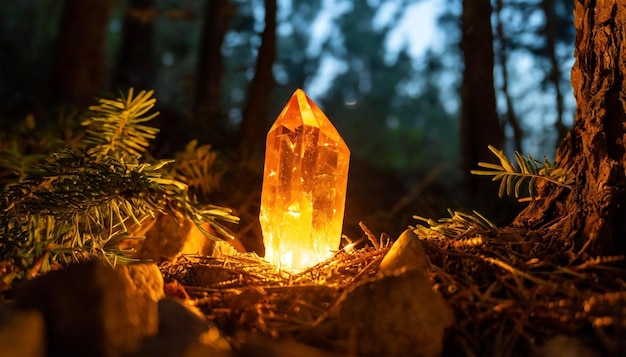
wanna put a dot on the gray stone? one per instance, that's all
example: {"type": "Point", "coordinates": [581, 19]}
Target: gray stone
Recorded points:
{"type": "Point", "coordinates": [406, 252]}
{"type": "Point", "coordinates": [397, 315]}
{"type": "Point", "coordinates": [90, 309]}
{"type": "Point", "coordinates": [184, 332]}
{"type": "Point", "coordinates": [22, 333]}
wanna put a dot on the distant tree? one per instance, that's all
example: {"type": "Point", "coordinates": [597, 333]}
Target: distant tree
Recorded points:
{"type": "Point", "coordinates": [501, 57]}
{"type": "Point", "coordinates": [296, 63]}
{"type": "Point", "coordinates": [557, 24]}
{"type": "Point", "coordinates": [28, 32]}
{"type": "Point", "coordinates": [480, 125]}
{"type": "Point", "coordinates": [364, 96]}
{"type": "Point", "coordinates": [388, 107]}
{"type": "Point", "coordinates": [534, 50]}
{"type": "Point", "coordinates": [135, 66]}
{"type": "Point", "coordinates": [80, 69]}
{"type": "Point", "coordinates": [217, 16]}
{"type": "Point", "coordinates": [256, 111]}
{"type": "Point", "coordinates": [589, 219]}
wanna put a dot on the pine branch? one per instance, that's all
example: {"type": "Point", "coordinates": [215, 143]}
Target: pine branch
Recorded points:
{"type": "Point", "coordinates": [115, 125]}
{"type": "Point", "coordinates": [195, 166]}
{"type": "Point", "coordinates": [77, 204]}
{"type": "Point", "coordinates": [458, 225]}
{"type": "Point", "coordinates": [528, 170]}
{"type": "Point", "coordinates": [14, 166]}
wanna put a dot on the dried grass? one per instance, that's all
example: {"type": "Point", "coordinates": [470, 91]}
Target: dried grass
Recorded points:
{"type": "Point", "coordinates": [510, 293]}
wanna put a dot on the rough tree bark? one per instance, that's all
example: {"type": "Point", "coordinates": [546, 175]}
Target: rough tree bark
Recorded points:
{"type": "Point", "coordinates": [135, 65]}
{"type": "Point", "coordinates": [480, 126]}
{"type": "Point", "coordinates": [80, 68]}
{"type": "Point", "coordinates": [253, 125]}
{"type": "Point", "coordinates": [217, 16]}
{"type": "Point", "coordinates": [590, 219]}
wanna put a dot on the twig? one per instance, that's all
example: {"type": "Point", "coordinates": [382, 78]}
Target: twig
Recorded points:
{"type": "Point", "coordinates": [515, 271]}
{"type": "Point", "coordinates": [369, 235]}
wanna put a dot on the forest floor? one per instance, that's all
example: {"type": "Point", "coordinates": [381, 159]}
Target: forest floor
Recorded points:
{"type": "Point", "coordinates": [506, 301]}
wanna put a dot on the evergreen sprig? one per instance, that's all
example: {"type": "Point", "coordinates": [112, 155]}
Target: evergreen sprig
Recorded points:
{"type": "Point", "coordinates": [196, 167]}
{"type": "Point", "coordinates": [14, 166]}
{"type": "Point", "coordinates": [458, 225]}
{"type": "Point", "coordinates": [83, 203]}
{"type": "Point", "coordinates": [115, 124]}
{"type": "Point", "coordinates": [528, 170]}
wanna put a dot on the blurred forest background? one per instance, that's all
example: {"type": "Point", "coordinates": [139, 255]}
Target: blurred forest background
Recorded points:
{"type": "Point", "coordinates": [495, 72]}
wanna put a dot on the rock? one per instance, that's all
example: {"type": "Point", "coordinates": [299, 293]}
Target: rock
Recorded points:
{"type": "Point", "coordinates": [146, 278]}
{"type": "Point", "coordinates": [22, 333]}
{"type": "Point", "coordinates": [184, 332]}
{"type": "Point", "coordinates": [171, 237]}
{"type": "Point", "coordinates": [223, 249]}
{"type": "Point", "coordinates": [406, 252]}
{"type": "Point", "coordinates": [564, 346]}
{"type": "Point", "coordinates": [90, 309]}
{"type": "Point", "coordinates": [397, 315]}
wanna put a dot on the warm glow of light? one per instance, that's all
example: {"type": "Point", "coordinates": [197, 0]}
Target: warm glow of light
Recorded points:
{"type": "Point", "coordinates": [304, 186]}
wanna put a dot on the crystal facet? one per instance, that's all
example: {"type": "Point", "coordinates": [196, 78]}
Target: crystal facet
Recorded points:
{"type": "Point", "coordinates": [304, 186]}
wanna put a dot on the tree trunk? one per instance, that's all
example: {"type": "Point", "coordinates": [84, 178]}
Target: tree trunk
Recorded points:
{"type": "Point", "coordinates": [217, 16]}
{"type": "Point", "coordinates": [135, 64]}
{"type": "Point", "coordinates": [80, 68]}
{"type": "Point", "coordinates": [480, 126]}
{"type": "Point", "coordinates": [590, 219]}
{"type": "Point", "coordinates": [253, 125]}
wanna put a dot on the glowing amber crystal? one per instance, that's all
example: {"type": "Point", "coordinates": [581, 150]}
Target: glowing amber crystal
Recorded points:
{"type": "Point", "coordinates": [304, 186]}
